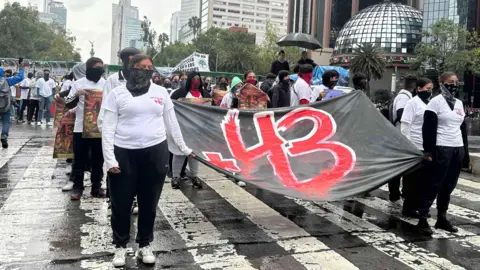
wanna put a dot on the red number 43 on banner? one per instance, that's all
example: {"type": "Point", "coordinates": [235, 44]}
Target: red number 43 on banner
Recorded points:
{"type": "Point", "coordinates": [278, 150]}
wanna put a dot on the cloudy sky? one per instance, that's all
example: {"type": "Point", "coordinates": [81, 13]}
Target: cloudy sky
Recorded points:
{"type": "Point", "coordinates": [92, 20]}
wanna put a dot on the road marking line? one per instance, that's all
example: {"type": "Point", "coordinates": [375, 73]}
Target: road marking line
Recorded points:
{"type": "Point", "coordinates": [313, 253]}
{"type": "Point", "coordinates": [384, 241]}
{"type": "Point", "coordinates": [199, 233]}
{"type": "Point", "coordinates": [30, 211]}
{"type": "Point", "coordinates": [13, 147]}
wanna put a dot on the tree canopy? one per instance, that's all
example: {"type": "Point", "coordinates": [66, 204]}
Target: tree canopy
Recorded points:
{"type": "Point", "coordinates": [229, 51]}
{"type": "Point", "coordinates": [23, 35]}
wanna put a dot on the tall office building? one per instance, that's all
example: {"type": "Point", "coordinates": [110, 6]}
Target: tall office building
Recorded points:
{"type": "Point", "coordinates": [462, 12]}
{"type": "Point", "coordinates": [325, 18]}
{"type": "Point", "coordinates": [54, 12]}
{"type": "Point", "coordinates": [188, 10]}
{"type": "Point", "coordinates": [126, 26]}
{"type": "Point", "coordinates": [174, 26]}
{"type": "Point", "coordinates": [252, 15]}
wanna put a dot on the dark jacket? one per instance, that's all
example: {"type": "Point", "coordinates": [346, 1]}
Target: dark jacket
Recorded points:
{"type": "Point", "coordinates": [182, 92]}
{"type": "Point", "coordinates": [307, 61]}
{"type": "Point", "coordinates": [267, 85]}
{"type": "Point", "coordinates": [278, 66]}
{"type": "Point", "coordinates": [279, 96]}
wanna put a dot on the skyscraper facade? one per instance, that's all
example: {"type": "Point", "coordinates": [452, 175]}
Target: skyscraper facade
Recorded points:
{"type": "Point", "coordinates": [252, 15]}
{"type": "Point", "coordinates": [189, 9]}
{"type": "Point", "coordinates": [126, 26]}
{"type": "Point", "coordinates": [174, 26]}
{"type": "Point", "coordinates": [58, 8]}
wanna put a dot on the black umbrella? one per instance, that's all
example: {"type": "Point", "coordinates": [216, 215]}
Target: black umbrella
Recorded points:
{"type": "Point", "coordinates": [301, 40]}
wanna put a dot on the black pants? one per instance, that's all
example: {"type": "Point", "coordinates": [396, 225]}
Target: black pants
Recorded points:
{"type": "Point", "coordinates": [81, 149]}
{"type": "Point", "coordinates": [411, 188]}
{"type": "Point", "coordinates": [184, 167]}
{"type": "Point", "coordinates": [32, 110]}
{"type": "Point", "coordinates": [443, 173]}
{"type": "Point", "coordinates": [21, 109]}
{"type": "Point", "coordinates": [394, 188]}
{"type": "Point", "coordinates": [143, 173]}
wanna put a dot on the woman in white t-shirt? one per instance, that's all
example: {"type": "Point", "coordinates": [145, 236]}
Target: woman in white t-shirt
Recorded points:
{"type": "Point", "coordinates": [137, 118]}
{"type": "Point", "coordinates": [411, 127]}
{"type": "Point", "coordinates": [446, 148]}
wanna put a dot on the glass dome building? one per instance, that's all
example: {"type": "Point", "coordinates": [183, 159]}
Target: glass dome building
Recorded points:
{"type": "Point", "coordinates": [394, 27]}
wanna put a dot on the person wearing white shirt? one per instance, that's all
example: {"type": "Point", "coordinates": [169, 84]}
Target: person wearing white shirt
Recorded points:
{"type": "Point", "coordinates": [24, 96]}
{"type": "Point", "coordinates": [411, 127]}
{"type": "Point", "coordinates": [45, 88]}
{"type": "Point", "coordinates": [139, 116]}
{"type": "Point", "coordinates": [445, 147]}
{"type": "Point", "coordinates": [398, 105]}
{"type": "Point", "coordinates": [301, 93]}
{"type": "Point", "coordinates": [82, 146]}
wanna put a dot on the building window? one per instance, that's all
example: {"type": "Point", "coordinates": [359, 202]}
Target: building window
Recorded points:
{"type": "Point", "coordinates": [277, 17]}
{"type": "Point", "coordinates": [233, 4]}
{"type": "Point", "coordinates": [234, 11]}
{"type": "Point", "coordinates": [262, 9]}
{"type": "Point", "coordinates": [276, 4]}
{"type": "Point", "coordinates": [219, 9]}
{"type": "Point", "coordinates": [249, 13]}
{"type": "Point", "coordinates": [277, 10]}
{"type": "Point", "coordinates": [262, 15]}
{"type": "Point", "coordinates": [248, 7]}
{"type": "Point", "coordinates": [220, 3]}
{"type": "Point", "coordinates": [263, 2]}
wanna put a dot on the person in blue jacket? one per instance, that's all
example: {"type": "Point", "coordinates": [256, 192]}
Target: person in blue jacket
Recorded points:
{"type": "Point", "coordinates": [7, 100]}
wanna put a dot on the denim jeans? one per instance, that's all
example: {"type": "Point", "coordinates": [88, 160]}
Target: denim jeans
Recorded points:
{"type": "Point", "coordinates": [45, 104]}
{"type": "Point", "coordinates": [5, 122]}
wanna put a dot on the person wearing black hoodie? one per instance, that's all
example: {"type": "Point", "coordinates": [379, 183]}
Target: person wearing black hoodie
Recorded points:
{"type": "Point", "coordinates": [280, 93]}
{"type": "Point", "coordinates": [445, 145]}
{"type": "Point", "coordinates": [268, 83]}
{"type": "Point", "coordinates": [193, 89]}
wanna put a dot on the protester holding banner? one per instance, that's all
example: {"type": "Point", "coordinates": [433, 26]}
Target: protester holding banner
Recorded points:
{"type": "Point", "coordinates": [230, 100]}
{"type": "Point", "coordinates": [138, 117]}
{"type": "Point", "coordinates": [411, 127]}
{"type": "Point", "coordinates": [446, 147]}
{"type": "Point", "coordinates": [398, 106]}
{"type": "Point", "coordinates": [82, 146]}
{"type": "Point", "coordinates": [193, 89]}
{"type": "Point", "coordinates": [301, 93]}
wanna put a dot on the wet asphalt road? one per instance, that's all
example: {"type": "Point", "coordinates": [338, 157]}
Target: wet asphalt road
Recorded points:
{"type": "Point", "coordinates": [220, 227]}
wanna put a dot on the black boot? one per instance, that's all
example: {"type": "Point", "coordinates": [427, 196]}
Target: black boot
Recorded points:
{"type": "Point", "coordinates": [4, 142]}
{"type": "Point", "coordinates": [176, 182]}
{"type": "Point", "coordinates": [196, 183]}
{"type": "Point", "coordinates": [424, 227]}
{"type": "Point", "coordinates": [444, 224]}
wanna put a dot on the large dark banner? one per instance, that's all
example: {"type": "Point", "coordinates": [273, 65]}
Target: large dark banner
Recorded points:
{"type": "Point", "coordinates": [329, 150]}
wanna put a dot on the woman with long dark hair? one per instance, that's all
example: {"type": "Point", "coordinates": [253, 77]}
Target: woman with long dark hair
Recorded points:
{"type": "Point", "coordinates": [137, 118]}
{"type": "Point", "coordinates": [446, 149]}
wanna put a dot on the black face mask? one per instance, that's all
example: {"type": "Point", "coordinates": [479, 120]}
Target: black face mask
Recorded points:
{"type": "Point", "coordinates": [139, 81]}
{"type": "Point", "coordinates": [205, 85]}
{"type": "Point", "coordinates": [94, 74]}
{"type": "Point", "coordinates": [223, 86]}
{"type": "Point", "coordinates": [452, 88]}
{"type": "Point", "coordinates": [46, 76]}
{"type": "Point", "coordinates": [168, 85]}
{"type": "Point", "coordinates": [425, 95]}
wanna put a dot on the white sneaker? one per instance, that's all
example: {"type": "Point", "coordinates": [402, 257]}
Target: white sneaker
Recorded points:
{"type": "Point", "coordinates": [119, 259]}
{"type": "Point", "coordinates": [135, 207]}
{"type": "Point", "coordinates": [39, 123]}
{"type": "Point", "coordinates": [398, 203]}
{"type": "Point", "coordinates": [49, 124]}
{"type": "Point", "coordinates": [68, 186]}
{"type": "Point", "coordinates": [87, 176]}
{"type": "Point", "coordinates": [146, 255]}
{"type": "Point", "coordinates": [241, 184]}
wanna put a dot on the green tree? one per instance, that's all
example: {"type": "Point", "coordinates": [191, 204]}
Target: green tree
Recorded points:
{"type": "Point", "coordinates": [173, 54]}
{"type": "Point", "coordinates": [163, 39]}
{"type": "Point", "coordinates": [23, 35]}
{"type": "Point", "coordinates": [440, 45]}
{"type": "Point", "coordinates": [368, 59]}
{"type": "Point", "coordinates": [268, 51]}
{"type": "Point", "coordinates": [235, 52]}
{"type": "Point", "coordinates": [195, 24]}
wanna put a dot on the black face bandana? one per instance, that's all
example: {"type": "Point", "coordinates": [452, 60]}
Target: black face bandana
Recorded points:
{"type": "Point", "coordinates": [94, 74]}
{"type": "Point", "coordinates": [425, 95]}
{"type": "Point", "coordinates": [46, 76]}
{"type": "Point", "coordinates": [452, 88]}
{"type": "Point", "coordinates": [139, 81]}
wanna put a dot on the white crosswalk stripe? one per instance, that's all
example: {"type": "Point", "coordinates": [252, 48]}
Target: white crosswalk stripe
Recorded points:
{"type": "Point", "coordinates": [27, 228]}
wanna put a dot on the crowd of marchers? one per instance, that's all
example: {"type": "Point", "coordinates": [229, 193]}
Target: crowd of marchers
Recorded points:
{"type": "Point", "coordinates": [142, 143]}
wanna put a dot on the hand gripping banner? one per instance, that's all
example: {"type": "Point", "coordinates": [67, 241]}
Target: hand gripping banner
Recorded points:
{"type": "Point", "coordinates": [328, 150]}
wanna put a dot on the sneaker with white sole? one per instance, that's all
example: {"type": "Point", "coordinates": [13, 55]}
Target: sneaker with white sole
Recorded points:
{"type": "Point", "coordinates": [241, 184]}
{"type": "Point", "coordinates": [119, 258]}
{"type": "Point", "coordinates": [49, 124]}
{"type": "Point", "coordinates": [68, 186]}
{"type": "Point", "coordinates": [146, 255]}
{"type": "Point", "coordinates": [135, 207]}
{"type": "Point", "coordinates": [39, 123]}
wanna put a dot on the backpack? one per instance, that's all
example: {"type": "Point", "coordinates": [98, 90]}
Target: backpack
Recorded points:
{"type": "Point", "coordinates": [5, 96]}
{"type": "Point", "coordinates": [390, 109]}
